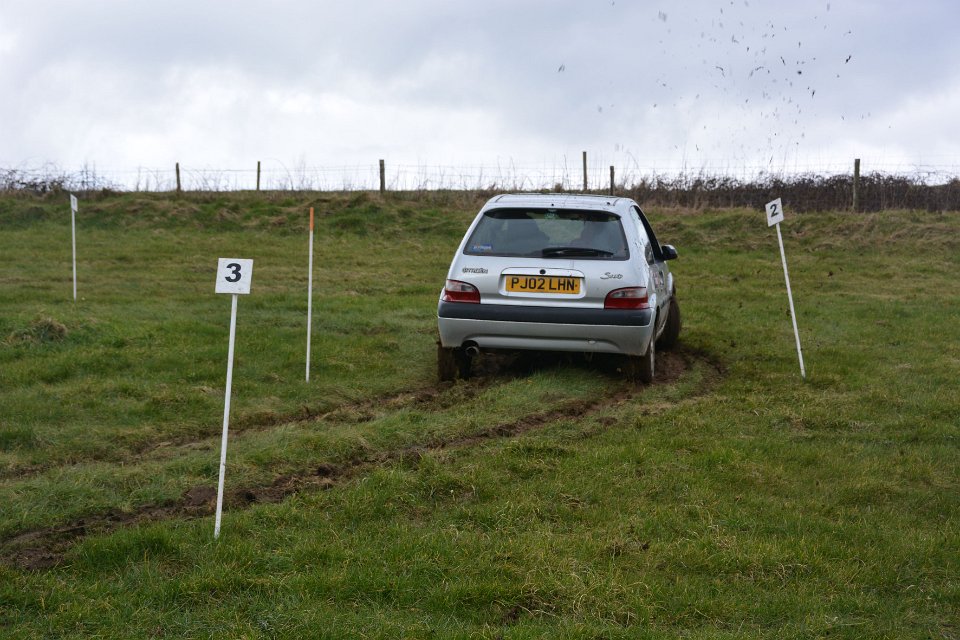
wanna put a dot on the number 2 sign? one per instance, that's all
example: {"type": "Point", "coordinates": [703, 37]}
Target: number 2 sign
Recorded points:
{"type": "Point", "coordinates": [774, 212]}
{"type": "Point", "coordinates": [234, 275]}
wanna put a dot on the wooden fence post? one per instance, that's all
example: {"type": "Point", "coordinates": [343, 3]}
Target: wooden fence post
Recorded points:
{"type": "Point", "coordinates": [612, 188]}
{"type": "Point", "coordinates": [584, 171]}
{"type": "Point", "coordinates": [258, 175]}
{"type": "Point", "coordinates": [856, 185]}
{"type": "Point", "coordinates": [383, 177]}
{"type": "Point", "coordinates": [178, 178]}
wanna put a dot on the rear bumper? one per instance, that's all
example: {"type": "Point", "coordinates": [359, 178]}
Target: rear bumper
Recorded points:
{"type": "Point", "coordinates": [490, 326]}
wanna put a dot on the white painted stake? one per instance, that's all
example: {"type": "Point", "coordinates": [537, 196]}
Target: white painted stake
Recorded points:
{"type": "Point", "coordinates": [310, 295]}
{"type": "Point", "coordinates": [233, 277]}
{"type": "Point", "coordinates": [774, 217]}
{"type": "Point", "coordinates": [73, 234]}
{"type": "Point", "coordinates": [226, 415]}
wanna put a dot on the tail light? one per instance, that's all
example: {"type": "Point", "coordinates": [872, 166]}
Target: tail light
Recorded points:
{"type": "Point", "coordinates": [456, 291]}
{"type": "Point", "coordinates": [628, 298]}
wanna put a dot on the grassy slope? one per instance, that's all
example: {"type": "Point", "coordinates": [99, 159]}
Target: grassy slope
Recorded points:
{"type": "Point", "coordinates": [753, 505]}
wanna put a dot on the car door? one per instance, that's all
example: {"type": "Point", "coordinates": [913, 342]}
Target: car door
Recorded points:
{"type": "Point", "coordinates": [659, 271]}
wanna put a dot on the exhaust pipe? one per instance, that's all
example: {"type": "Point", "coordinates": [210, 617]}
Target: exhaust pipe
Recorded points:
{"type": "Point", "coordinates": [473, 351]}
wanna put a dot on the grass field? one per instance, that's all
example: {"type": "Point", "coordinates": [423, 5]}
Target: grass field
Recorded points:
{"type": "Point", "coordinates": [542, 499]}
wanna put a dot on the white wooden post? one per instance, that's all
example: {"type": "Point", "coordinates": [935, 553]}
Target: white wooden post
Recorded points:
{"type": "Point", "coordinates": [310, 294]}
{"type": "Point", "coordinates": [226, 415]}
{"type": "Point", "coordinates": [73, 236]}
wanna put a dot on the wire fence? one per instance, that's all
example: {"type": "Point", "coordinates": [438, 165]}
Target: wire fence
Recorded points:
{"type": "Point", "coordinates": [896, 184]}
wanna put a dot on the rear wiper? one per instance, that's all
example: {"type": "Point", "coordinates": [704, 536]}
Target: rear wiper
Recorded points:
{"type": "Point", "coordinates": [556, 252]}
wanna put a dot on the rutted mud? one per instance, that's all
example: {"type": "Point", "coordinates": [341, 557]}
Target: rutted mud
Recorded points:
{"type": "Point", "coordinates": [241, 424]}
{"type": "Point", "coordinates": [358, 411]}
{"type": "Point", "coordinates": [45, 548]}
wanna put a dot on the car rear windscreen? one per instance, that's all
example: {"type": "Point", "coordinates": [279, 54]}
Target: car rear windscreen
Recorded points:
{"type": "Point", "coordinates": [549, 233]}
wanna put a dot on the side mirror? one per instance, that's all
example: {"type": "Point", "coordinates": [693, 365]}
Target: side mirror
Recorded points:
{"type": "Point", "coordinates": [669, 252]}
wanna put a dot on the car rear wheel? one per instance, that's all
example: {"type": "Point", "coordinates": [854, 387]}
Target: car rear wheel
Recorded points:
{"type": "Point", "coordinates": [671, 331]}
{"type": "Point", "coordinates": [641, 368]}
{"type": "Point", "coordinates": [452, 363]}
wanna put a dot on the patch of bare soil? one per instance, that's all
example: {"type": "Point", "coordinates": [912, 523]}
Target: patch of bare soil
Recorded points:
{"type": "Point", "coordinates": [45, 548]}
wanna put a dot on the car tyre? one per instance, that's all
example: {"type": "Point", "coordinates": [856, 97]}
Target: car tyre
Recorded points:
{"type": "Point", "coordinates": [671, 331]}
{"type": "Point", "coordinates": [642, 368]}
{"type": "Point", "coordinates": [452, 363]}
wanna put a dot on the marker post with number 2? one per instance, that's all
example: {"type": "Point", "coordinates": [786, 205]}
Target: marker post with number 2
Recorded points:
{"type": "Point", "coordinates": [774, 218]}
{"type": "Point", "coordinates": [233, 276]}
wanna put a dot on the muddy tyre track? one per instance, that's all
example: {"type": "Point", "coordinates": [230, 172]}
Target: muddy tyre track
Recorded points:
{"type": "Point", "coordinates": [45, 548]}
{"type": "Point", "coordinates": [430, 398]}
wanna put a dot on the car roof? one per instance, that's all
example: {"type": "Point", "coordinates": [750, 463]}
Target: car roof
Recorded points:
{"type": "Point", "coordinates": [558, 200]}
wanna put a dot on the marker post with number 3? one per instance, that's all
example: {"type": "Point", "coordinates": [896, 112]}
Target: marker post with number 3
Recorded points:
{"type": "Point", "coordinates": [233, 277]}
{"type": "Point", "coordinates": [774, 218]}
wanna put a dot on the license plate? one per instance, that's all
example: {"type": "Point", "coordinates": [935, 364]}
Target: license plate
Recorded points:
{"type": "Point", "coordinates": [543, 284]}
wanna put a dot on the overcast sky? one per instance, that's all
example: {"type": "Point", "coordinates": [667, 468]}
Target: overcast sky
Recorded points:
{"type": "Point", "coordinates": [121, 84]}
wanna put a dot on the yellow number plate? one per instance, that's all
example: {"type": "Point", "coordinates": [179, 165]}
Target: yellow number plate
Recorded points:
{"type": "Point", "coordinates": [543, 284]}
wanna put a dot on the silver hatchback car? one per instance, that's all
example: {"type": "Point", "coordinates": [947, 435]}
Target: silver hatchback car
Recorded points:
{"type": "Point", "coordinates": [558, 272]}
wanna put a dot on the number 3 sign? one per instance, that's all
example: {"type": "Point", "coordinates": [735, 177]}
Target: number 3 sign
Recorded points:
{"type": "Point", "coordinates": [234, 275]}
